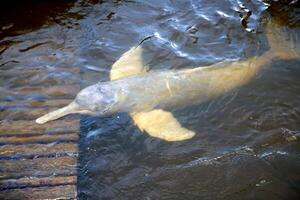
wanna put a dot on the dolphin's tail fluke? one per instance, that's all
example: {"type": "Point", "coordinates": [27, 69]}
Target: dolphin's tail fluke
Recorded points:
{"type": "Point", "coordinates": [284, 41]}
{"type": "Point", "coordinates": [69, 109]}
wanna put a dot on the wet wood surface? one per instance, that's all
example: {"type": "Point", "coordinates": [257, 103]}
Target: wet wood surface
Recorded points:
{"type": "Point", "coordinates": [47, 192]}
{"type": "Point", "coordinates": [37, 161]}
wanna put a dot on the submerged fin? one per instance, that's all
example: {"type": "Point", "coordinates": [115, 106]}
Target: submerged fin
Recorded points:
{"type": "Point", "coordinates": [161, 124]}
{"type": "Point", "coordinates": [130, 63]}
{"type": "Point", "coordinates": [71, 108]}
{"type": "Point", "coordinates": [283, 40]}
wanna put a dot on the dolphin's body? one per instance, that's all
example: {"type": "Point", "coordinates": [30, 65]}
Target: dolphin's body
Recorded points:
{"type": "Point", "coordinates": [146, 95]}
{"type": "Point", "coordinates": [169, 89]}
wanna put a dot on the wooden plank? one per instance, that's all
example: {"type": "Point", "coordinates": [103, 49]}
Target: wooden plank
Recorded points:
{"type": "Point", "coordinates": [40, 139]}
{"type": "Point", "coordinates": [24, 127]}
{"type": "Point", "coordinates": [50, 103]}
{"type": "Point", "coordinates": [23, 113]}
{"type": "Point", "coordinates": [63, 91]}
{"type": "Point", "coordinates": [39, 167]}
{"type": "Point", "coordinates": [16, 71]}
{"type": "Point", "coordinates": [37, 182]}
{"type": "Point", "coordinates": [57, 90]}
{"type": "Point", "coordinates": [58, 192]}
{"type": "Point", "coordinates": [29, 110]}
{"type": "Point", "coordinates": [37, 150]}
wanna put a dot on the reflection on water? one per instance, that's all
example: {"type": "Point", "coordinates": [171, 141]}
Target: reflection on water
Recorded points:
{"type": "Point", "coordinates": [247, 144]}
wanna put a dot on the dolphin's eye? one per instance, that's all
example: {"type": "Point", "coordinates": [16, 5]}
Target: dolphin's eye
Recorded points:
{"type": "Point", "coordinates": [100, 89]}
{"type": "Point", "coordinates": [104, 111]}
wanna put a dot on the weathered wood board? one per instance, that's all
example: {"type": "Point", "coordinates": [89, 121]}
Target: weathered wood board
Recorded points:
{"type": "Point", "coordinates": [38, 161]}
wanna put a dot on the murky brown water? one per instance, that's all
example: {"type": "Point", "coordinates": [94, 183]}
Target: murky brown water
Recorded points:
{"type": "Point", "coordinates": [247, 144]}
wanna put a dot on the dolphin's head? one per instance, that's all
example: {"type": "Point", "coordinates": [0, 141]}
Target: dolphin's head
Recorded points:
{"type": "Point", "coordinates": [98, 99]}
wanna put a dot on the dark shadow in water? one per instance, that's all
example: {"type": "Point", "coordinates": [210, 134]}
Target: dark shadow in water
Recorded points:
{"type": "Point", "coordinates": [19, 17]}
{"type": "Point", "coordinates": [286, 12]}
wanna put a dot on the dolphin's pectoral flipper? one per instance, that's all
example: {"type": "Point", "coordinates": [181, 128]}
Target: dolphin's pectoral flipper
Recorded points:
{"type": "Point", "coordinates": [130, 63]}
{"type": "Point", "coordinates": [161, 124]}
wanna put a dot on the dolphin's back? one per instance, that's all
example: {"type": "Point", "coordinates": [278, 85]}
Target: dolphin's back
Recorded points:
{"type": "Point", "coordinates": [166, 89]}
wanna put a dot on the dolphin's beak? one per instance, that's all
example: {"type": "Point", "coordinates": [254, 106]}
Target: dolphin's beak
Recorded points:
{"type": "Point", "coordinates": [71, 108]}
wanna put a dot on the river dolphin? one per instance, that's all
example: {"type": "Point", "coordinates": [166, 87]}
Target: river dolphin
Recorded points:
{"type": "Point", "coordinates": [146, 95]}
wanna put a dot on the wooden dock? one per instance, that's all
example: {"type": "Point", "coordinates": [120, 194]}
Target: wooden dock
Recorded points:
{"type": "Point", "coordinates": [37, 161]}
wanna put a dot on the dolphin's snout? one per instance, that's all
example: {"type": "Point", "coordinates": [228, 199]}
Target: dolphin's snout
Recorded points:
{"type": "Point", "coordinates": [69, 109]}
